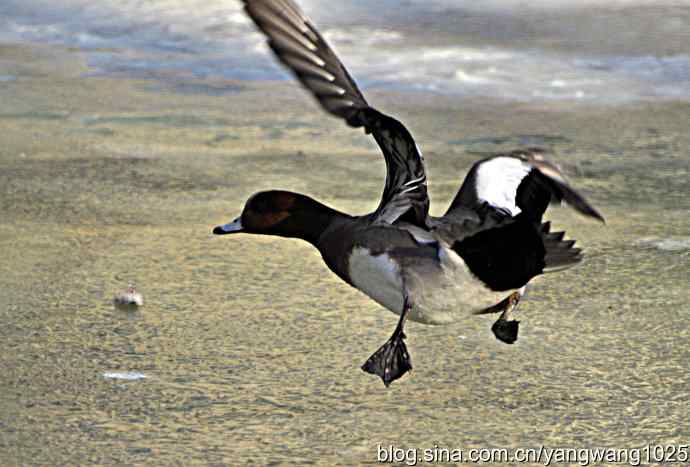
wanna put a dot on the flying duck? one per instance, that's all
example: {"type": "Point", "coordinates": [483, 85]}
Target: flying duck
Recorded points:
{"type": "Point", "coordinates": [490, 242]}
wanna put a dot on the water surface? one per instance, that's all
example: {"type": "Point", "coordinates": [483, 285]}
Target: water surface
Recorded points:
{"type": "Point", "coordinates": [250, 349]}
{"type": "Point", "coordinates": [592, 51]}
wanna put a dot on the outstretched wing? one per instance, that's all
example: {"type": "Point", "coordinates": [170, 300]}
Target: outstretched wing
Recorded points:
{"type": "Point", "coordinates": [299, 46]}
{"type": "Point", "coordinates": [521, 181]}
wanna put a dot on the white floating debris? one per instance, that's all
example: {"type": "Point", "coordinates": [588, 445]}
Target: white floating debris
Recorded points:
{"type": "Point", "coordinates": [666, 244]}
{"type": "Point", "coordinates": [129, 298]}
{"type": "Point", "coordinates": [126, 375]}
{"type": "Point", "coordinates": [673, 244]}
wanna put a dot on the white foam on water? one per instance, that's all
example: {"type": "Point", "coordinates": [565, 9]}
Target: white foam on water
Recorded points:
{"type": "Point", "coordinates": [669, 244]}
{"type": "Point", "coordinates": [124, 375]}
{"type": "Point", "coordinates": [548, 4]}
{"type": "Point", "coordinates": [360, 35]}
{"type": "Point", "coordinates": [674, 244]}
{"type": "Point", "coordinates": [168, 38]}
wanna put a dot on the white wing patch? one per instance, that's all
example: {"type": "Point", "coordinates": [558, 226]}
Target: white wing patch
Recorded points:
{"type": "Point", "coordinates": [498, 180]}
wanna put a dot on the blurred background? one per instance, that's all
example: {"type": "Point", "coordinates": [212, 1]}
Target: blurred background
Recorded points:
{"type": "Point", "coordinates": [603, 51]}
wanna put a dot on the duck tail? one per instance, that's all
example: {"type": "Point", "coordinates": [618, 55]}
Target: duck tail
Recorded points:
{"type": "Point", "coordinates": [560, 254]}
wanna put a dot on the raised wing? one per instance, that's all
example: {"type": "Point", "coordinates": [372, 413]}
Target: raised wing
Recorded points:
{"type": "Point", "coordinates": [300, 47]}
{"type": "Point", "coordinates": [521, 181]}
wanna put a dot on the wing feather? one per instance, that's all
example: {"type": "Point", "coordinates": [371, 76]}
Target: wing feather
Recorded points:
{"type": "Point", "coordinates": [520, 181]}
{"type": "Point", "coordinates": [299, 46]}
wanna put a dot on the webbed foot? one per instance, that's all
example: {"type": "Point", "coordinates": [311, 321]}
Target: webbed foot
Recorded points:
{"type": "Point", "coordinates": [391, 360]}
{"type": "Point", "coordinates": [506, 328]}
{"type": "Point", "coordinates": [506, 331]}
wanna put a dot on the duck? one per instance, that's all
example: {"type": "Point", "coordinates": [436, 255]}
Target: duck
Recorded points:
{"type": "Point", "coordinates": [477, 258]}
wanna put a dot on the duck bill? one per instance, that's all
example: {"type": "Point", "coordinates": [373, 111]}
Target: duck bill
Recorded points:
{"type": "Point", "coordinates": [232, 227]}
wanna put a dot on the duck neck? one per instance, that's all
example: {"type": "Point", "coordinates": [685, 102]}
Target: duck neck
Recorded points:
{"type": "Point", "coordinates": [310, 220]}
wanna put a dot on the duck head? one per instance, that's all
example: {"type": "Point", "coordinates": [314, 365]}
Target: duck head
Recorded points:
{"type": "Point", "coordinates": [281, 213]}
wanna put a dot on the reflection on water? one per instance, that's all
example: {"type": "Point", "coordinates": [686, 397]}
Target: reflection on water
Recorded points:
{"type": "Point", "coordinates": [250, 348]}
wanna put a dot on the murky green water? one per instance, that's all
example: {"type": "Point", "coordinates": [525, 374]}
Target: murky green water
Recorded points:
{"type": "Point", "coordinates": [250, 347]}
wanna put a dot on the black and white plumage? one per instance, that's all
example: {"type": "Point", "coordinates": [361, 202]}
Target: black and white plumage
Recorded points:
{"type": "Point", "coordinates": [490, 242]}
{"type": "Point", "coordinates": [528, 182]}
{"type": "Point", "coordinates": [494, 221]}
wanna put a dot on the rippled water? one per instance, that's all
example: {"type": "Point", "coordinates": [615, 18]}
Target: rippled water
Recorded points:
{"type": "Point", "coordinates": [250, 349]}
{"type": "Point", "coordinates": [591, 51]}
